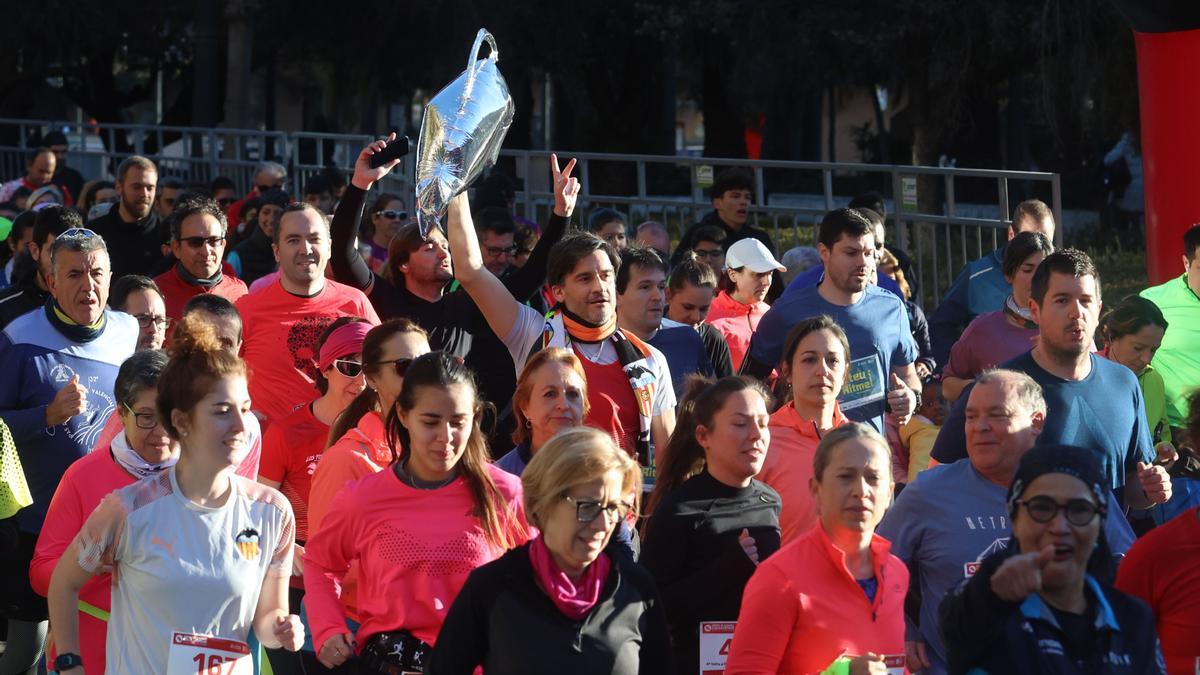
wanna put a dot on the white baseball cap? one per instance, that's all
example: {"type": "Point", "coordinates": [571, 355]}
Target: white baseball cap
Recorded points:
{"type": "Point", "coordinates": [750, 252]}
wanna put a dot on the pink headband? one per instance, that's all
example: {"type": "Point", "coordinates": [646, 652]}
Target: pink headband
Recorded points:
{"type": "Point", "coordinates": [348, 339]}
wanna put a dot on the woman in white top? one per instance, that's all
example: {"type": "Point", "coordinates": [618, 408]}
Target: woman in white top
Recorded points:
{"type": "Point", "coordinates": [200, 556]}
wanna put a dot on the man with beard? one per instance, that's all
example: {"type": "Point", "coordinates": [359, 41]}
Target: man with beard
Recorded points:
{"type": "Point", "coordinates": [627, 378]}
{"type": "Point", "coordinates": [31, 293]}
{"type": "Point", "coordinates": [882, 351]}
{"type": "Point", "coordinates": [283, 322]}
{"type": "Point", "coordinates": [641, 303]}
{"type": "Point", "coordinates": [1091, 402]}
{"type": "Point", "coordinates": [133, 229]}
{"type": "Point", "coordinates": [198, 238]}
{"type": "Point", "coordinates": [60, 364]}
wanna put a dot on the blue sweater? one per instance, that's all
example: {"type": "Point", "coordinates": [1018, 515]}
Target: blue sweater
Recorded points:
{"type": "Point", "coordinates": [38, 361]}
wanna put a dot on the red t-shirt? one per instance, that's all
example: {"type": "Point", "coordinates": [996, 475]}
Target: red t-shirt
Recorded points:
{"type": "Point", "coordinates": [280, 341]}
{"type": "Point", "coordinates": [613, 406]}
{"type": "Point", "coordinates": [176, 292]}
{"type": "Point", "coordinates": [1161, 568]}
{"type": "Point", "coordinates": [291, 449]}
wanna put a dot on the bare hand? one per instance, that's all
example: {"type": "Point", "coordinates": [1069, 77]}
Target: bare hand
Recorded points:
{"type": "Point", "coordinates": [289, 631]}
{"type": "Point", "coordinates": [749, 546]}
{"type": "Point", "coordinates": [901, 399]}
{"type": "Point", "coordinates": [915, 657]}
{"type": "Point", "coordinates": [1155, 482]}
{"type": "Point", "coordinates": [364, 175]}
{"type": "Point", "coordinates": [336, 650]}
{"type": "Point", "coordinates": [566, 187]}
{"type": "Point", "coordinates": [1021, 575]}
{"type": "Point", "coordinates": [868, 664]}
{"type": "Point", "coordinates": [70, 401]}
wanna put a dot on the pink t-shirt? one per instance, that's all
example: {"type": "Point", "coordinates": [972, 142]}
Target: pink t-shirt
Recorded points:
{"type": "Point", "coordinates": [281, 332]}
{"type": "Point", "coordinates": [414, 548]}
{"type": "Point", "coordinates": [988, 341]}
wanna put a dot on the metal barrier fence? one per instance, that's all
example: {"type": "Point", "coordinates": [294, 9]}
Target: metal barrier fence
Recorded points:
{"type": "Point", "coordinates": [790, 197]}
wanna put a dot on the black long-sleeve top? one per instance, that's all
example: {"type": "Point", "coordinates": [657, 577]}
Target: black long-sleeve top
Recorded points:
{"type": "Point", "coordinates": [502, 620]}
{"type": "Point", "coordinates": [454, 322]}
{"type": "Point", "coordinates": [691, 548]}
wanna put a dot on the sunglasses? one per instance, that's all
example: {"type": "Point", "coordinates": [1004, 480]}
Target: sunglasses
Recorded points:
{"type": "Point", "coordinates": [394, 215]}
{"type": "Point", "coordinates": [197, 242]}
{"type": "Point", "coordinates": [1079, 512]}
{"type": "Point", "coordinates": [348, 367]}
{"type": "Point", "coordinates": [266, 188]}
{"type": "Point", "coordinates": [77, 233]}
{"type": "Point", "coordinates": [586, 511]}
{"type": "Point", "coordinates": [399, 365]}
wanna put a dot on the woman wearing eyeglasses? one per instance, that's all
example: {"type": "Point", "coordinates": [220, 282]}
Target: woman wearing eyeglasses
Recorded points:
{"type": "Point", "coordinates": [142, 449]}
{"type": "Point", "coordinates": [293, 445]}
{"type": "Point", "coordinates": [566, 602]}
{"type": "Point", "coordinates": [415, 529]}
{"type": "Point", "coordinates": [380, 224]}
{"type": "Point", "coordinates": [1045, 603]}
{"type": "Point", "coordinates": [712, 523]}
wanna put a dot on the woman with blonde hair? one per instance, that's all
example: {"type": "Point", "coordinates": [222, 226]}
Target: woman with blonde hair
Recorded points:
{"type": "Point", "coordinates": [567, 601]}
{"type": "Point", "coordinates": [551, 396]}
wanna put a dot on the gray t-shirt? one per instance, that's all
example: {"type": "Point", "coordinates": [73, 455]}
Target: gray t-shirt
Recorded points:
{"type": "Point", "coordinates": [944, 524]}
{"type": "Point", "coordinates": [181, 568]}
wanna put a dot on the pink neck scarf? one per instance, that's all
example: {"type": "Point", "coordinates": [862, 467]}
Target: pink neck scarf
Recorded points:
{"type": "Point", "coordinates": [573, 599]}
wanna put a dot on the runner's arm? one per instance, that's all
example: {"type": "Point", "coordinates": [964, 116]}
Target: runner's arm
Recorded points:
{"type": "Point", "coordinates": [63, 600]}
{"type": "Point", "coordinates": [493, 299]}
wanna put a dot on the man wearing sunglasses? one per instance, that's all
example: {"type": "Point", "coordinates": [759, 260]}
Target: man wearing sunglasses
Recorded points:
{"type": "Point", "coordinates": [198, 230]}
{"type": "Point", "coordinates": [953, 516]}
{"type": "Point", "coordinates": [133, 229]}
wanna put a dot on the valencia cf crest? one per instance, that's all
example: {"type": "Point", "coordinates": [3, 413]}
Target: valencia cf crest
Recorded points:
{"type": "Point", "coordinates": [247, 544]}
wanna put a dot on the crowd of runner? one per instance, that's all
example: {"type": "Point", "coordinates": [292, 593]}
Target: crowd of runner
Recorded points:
{"type": "Point", "coordinates": [260, 434]}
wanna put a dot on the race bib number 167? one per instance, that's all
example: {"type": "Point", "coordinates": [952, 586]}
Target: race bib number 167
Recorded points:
{"type": "Point", "coordinates": [205, 655]}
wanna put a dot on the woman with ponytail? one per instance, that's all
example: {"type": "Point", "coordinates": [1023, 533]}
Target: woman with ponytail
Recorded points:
{"type": "Point", "coordinates": [203, 555]}
{"type": "Point", "coordinates": [416, 529]}
{"type": "Point", "coordinates": [712, 523]}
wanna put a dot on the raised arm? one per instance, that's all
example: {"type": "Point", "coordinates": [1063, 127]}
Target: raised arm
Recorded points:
{"type": "Point", "coordinates": [526, 281]}
{"type": "Point", "coordinates": [493, 299]}
{"type": "Point", "coordinates": [348, 266]}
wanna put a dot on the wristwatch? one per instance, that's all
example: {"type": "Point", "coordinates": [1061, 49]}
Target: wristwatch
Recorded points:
{"type": "Point", "coordinates": [67, 662]}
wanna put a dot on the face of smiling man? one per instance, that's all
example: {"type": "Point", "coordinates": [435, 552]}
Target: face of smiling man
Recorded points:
{"type": "Point", "coordinates": [302, 251]}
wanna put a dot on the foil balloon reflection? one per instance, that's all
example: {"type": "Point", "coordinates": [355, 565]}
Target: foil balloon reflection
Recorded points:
{"type": "Point", "coordinates": [461, 133]}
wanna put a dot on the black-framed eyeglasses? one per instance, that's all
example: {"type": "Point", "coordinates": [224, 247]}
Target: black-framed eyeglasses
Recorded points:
{"type": "Point", "coordinates": [77, 233]}
{"type": "Point", "coordinates": [146, 320]}
{"type": "Point", "coordinates": [1079, 512]}
{"type": "Point", "coordinates": [197, 242]}
{"type": "Point", "coordinates": [143, 420]}
{"type": "Point", "coordinates": [394, 215]}
{"type": "Point", "coordinates": [586, 510]}
{"type": "Point", "coordinates": [224, 202]}
{"type": "Point", "coordinates": [399, 365]}
{"type": "Point", "coordinates": [710, 254]}
{"type": "Point", "coordinates": [348, 367]}
{"type": "Point", "coordinates": [496, 251]}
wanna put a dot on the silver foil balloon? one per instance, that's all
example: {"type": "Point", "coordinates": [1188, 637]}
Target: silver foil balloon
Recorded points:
{"type": "Point", "coordinates": [461, 133]}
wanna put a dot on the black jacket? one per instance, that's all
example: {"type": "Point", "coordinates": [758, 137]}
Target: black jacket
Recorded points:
{"type": "Point", "coordinates": [255, 256]}
{"type": "Point", "coordinates": [133, 248]}
{"type": "Point", "coordinates": [691, 547]}
{"type": "Point", "coordinates": [18, 300]}
{"type": "Point", "coordinates": [983, 631]}
{"type": "Point", "coordinates": [503, 621]}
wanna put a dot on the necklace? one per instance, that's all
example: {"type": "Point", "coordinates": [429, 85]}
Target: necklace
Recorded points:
{"type": "Point", "coordinates": [591, 357]}
{"type": "Point", "coordinates": [407, 478]}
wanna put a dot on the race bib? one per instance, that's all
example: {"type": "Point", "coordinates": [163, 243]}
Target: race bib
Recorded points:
{"type": "Point", "coordinates": [865, 383]}
{"type": "Point", "coordinates": [205, 655]}
{"type": "Point", "coordinates": [715, 638]}
{"type": "Point", "coordinates": [894, 664]}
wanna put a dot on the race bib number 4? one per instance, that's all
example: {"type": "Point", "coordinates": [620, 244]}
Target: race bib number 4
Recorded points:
{"type": "Point", "coordinates": [715, 638]}
{"type": "Point", "coordinates": [205, 655]}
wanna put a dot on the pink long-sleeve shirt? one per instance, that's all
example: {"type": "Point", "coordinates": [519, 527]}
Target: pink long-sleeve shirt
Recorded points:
{"type": "Point", "coordinates": [87, 481]}
{"type": "Point", "coordinates": [414, 550]}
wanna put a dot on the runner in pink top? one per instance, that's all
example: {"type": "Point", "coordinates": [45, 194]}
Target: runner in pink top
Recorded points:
{"type": "Point", "coordinates": [739, 307]}
{"type": "Point", "coordinates": [416, 529]}
{"type": "Point", "coordinates": [814, 366]}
